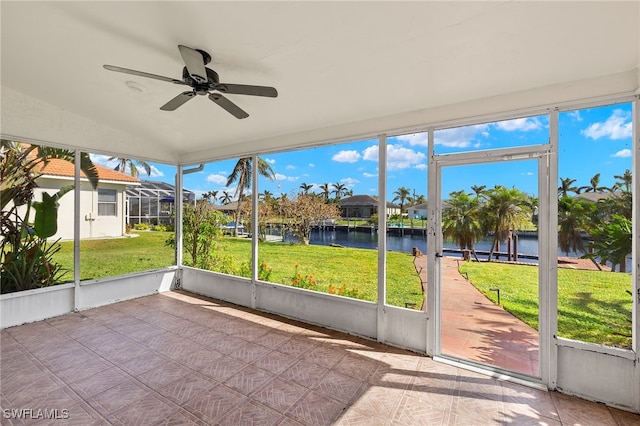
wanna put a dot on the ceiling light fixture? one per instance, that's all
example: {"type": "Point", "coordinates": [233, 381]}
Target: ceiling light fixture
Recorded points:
{"type": "Point", "coordinates": [134, 86]}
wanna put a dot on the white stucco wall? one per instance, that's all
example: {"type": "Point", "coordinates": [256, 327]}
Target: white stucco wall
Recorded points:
{"type": "Point", "coordinates": [91, 224]}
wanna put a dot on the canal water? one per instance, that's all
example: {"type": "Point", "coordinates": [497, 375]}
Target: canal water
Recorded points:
{"type": "Point", "coordinates": [369, 240]}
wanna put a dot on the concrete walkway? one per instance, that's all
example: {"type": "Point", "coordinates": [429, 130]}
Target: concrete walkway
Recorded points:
{"type": "Point", "coordinates": [476, 329]}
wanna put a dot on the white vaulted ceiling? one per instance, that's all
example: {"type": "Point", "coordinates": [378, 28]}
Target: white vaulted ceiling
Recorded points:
{"type": "Point", "coordinates": [342, 69]}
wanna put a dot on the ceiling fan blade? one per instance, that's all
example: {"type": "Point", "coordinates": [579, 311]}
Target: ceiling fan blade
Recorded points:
{"type": "Point", "coordinates": [225, 103]}
{"type": "Point", "coordinates": [194, 62]}
{"type": "Point", "coordinates": [178, 101]}
{"type": "Point", "coordinates": [245, 89]}
{"type": "Point", "coordinates": [142, 74]}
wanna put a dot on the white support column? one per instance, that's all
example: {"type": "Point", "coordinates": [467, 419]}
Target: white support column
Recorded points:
{"type": "Point", "coordinates": [177, 199]}
{"type": "Point", "coordinates": [254, 229]}
{"type": "Point", "coordinates": [433, 237]}
{"type": "Point", "coordinates": [548, 258]}
{"type": "Point", "coordinates": [635, 264]}
{"type": "Point", "coordinates": [382, 238]}
{"type": "Point", "coordinates": [76, 230]}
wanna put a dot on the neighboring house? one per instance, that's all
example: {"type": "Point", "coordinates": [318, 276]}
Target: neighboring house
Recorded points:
{"type": "Point", "coordinates": [363, 207]}
{"type": "Point", "coordinates": [154, 202]}
{"type": "Point", "coordinates": [596, 196]}
{"type": "Point", "coordinates": [419, 211]}
{"type": "Point", "coordinates": [228, 209]}
{"type": "Point", "coordinates": [102, 210]}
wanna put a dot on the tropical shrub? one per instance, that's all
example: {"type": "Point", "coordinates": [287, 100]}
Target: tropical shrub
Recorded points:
{"type": "Point", "coordinates": [303, 281]}
{"type": "Point", "coordinates": [26, 257]}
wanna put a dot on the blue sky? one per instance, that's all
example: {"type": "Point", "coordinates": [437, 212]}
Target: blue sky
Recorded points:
{"type": "Point", "coordinates": [591, 141]}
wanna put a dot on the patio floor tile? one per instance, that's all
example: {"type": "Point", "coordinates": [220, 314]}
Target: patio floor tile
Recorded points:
{"type": "Point", "coordinates": [177, 358]}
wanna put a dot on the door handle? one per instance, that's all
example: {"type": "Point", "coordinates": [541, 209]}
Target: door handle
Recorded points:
{"type": "Point", "coordinates": [438, 254]}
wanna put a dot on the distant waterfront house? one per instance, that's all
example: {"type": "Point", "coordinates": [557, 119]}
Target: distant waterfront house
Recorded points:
{"type": "Point", "coordinates": [363, 206]}
{"type": "Point", "coordinates": [102, 210]}
{"type": "Point", "coordinates": [153, 202]}
{"type": "Point", "coordinates": [596, 196]}
{"type": "Point", "coordinates": [419, 211]}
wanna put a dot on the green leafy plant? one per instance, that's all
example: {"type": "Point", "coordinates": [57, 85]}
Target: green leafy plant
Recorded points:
{"type": "Point", "coordinates": [141, 226]}
{"type": "Point", "coordinates": [159, 228]}
{"type": "Point", "coordinates": [26, 257]}
{"type": "Point", "coordinates": [612, 242]}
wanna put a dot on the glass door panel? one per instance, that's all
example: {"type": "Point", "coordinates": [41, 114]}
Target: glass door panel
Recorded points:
{"type": "Point", "coordinates": [489, 265]}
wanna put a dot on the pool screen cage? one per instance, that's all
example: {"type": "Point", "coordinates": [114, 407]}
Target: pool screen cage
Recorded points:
{"type": "Point", "coordinates": [153, 203]}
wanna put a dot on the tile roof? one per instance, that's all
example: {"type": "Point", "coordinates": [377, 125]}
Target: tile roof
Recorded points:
{"type": "Point", "coordinates": [58, 167]}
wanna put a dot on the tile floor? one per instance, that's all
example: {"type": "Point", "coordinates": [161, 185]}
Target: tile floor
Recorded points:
{"type": "Point", "coordinates": [177, 358]}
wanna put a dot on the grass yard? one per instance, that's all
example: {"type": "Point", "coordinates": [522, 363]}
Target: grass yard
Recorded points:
{"type": "Point", "coordinates": [117, 256]}
{"type": "Point", "coordinates": [345, 269]}
{"type": "Point", "coordinates": [340, 267]}
{"type": "Point", "coordinates": [593, 306]}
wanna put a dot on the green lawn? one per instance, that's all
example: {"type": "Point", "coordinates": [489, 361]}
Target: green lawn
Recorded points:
{"type": "Point", "coordinates": [339, 267]}
{"type": "Point", "coordinates": [350, 268]}
{"type": "Point", "coordinates": [116, 256]}
{"type": "Point", "coordinates": [593, 306]}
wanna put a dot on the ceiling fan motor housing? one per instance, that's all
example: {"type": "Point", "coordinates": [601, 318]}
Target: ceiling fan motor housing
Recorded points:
{"type": "Point", "coordinates": [201, 89]}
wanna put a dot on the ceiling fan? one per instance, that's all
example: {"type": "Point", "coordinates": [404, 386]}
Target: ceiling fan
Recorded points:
{"type": "Point", "coordinates": [203, 81]}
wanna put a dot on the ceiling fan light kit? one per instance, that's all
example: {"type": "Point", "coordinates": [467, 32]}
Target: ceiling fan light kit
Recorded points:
{"type": "Point", "coordinates": [203, 81]}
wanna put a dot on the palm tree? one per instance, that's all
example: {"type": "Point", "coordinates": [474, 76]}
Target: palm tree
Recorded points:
{"type": "Point", "coordinates": [479, 190]}
{"type": "Point", "coordinates": [504, 210]}
{"type": "Point", "coordinates": [122, 164]}
{"type": "Point", "coordinates": [573, 219]}
{"type": "Point", "coordinates": [325, 190]}
{"type": "Point", "coordinates": [566, 186]}
{"type": "Point", "coordinates": [401, 195]}
{"type": "Point", "coordinates": [210, 195]}
{"type": "Point", "coordinates": [241, 174]}
{"type": "Point", "coordinates": [306, 187]}
{"type": "Point", "coordinates": [461, 221]}
{"type": "Point", "coordinates": [626, 180]}
{"type": "Point", "coordinates": [226, 197]}
{"type": "Point", "coordinates": [339, 189]}
{"type": "Point", "coordinates": [420, 199]}
{"type": "Point", "coordinates": [612, 242]}
{"type": "Point", "coordinates": [594, 185]}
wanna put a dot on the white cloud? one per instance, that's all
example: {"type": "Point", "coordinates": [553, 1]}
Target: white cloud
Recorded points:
{"type": "Point", "coordinates": [370, 153]}
{"type": "Point", "coordinates": [521, 124]}
{"type": "Point", "coordinates": [421, 166]}
{"type": "Point", "coordinates": [270, 160]}
{"type": "Point", "coordinates": [623, 153]}
{"type": "Point", "coordinates": [369, 175]}
{"type": "Point", "coordinates": [526, 174]}
{"type": "Point", "coordinates": [290, 167]}
{"type": "Point", "coordinates": [618, 126]}
{"type": "Point", "coordinates": [398, 157]}
{"type": "Point", "coordinates": [311, 165]}
{"type": "Point", "coordinates": [217, 178]}
{"type": "Point", "coordinates": [286, 178]}
{"type": "Point", "coordinates": [103, 160]}
{"type": "Point", "coordinates": [575, 115]}
{"type": "Point", "coordinates": [420, 139]}
{"type": "Point", "coordinates": [460, 137]}
{"type": "Point", "coordinates": [350, 182]}
{"type": "Point", "coordinates": [348, 156]}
